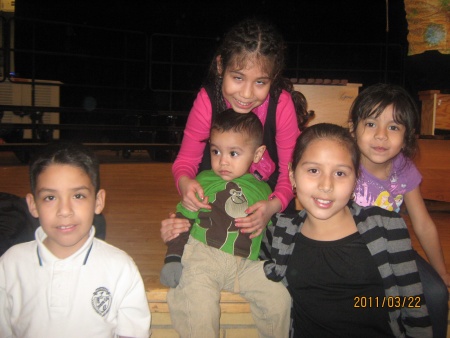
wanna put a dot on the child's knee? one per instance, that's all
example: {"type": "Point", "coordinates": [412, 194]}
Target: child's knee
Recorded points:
{"type": "Point", "coordinates": [282, 296]}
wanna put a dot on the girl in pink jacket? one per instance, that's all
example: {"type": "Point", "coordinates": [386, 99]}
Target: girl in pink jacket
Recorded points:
{"type": "Point", "coordinates": [246, 75]}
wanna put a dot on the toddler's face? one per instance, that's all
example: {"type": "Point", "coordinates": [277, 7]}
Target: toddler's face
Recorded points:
{"type": "Point", "coordinates": [232, 154]}
{"type": "Point", "coordinates": [65, 202]}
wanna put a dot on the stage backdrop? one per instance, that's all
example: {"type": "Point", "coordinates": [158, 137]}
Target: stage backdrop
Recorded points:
{"type": "Point", "coordinates": [428, 25]}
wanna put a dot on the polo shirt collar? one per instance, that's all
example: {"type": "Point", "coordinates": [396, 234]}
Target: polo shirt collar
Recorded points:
{"type": "Point", "coordinates": [46, 257]}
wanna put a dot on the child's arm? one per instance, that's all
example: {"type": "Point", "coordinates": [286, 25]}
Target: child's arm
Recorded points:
{"type": "Point", "coordinates": [287, 132]}
{"type": "Point", "coordinates": [175, 246]}
{"type": "Point", "coordinates": [410, 298]}
{"type": "Point", "coordinates": [133, 314]}
{"type": "Point", "coordinates": [171, 272]}
{"type": "Point", "coordinates": [5, 320]}
{"type": "Point", "coordinates": [190, 155]}
{"type": "Point", "coordinates": [278, 245]}
{"type": "Point", "coordinates": [172, 227]}
{"type": "Point", "coordinates": [426, 232]}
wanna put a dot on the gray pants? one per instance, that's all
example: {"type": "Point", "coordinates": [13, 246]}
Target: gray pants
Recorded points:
{"type": "Point", "coordinates": [194, 303]}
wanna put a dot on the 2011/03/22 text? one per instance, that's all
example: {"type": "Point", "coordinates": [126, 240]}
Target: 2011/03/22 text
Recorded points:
{"type": "Point", "coordinates": [389, 301]}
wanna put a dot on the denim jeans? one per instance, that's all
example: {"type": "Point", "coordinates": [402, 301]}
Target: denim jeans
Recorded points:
{"type": "Point", "coordinates": [436, 296]}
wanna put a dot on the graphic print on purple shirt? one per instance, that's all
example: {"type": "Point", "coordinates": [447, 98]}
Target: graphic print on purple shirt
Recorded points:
{"type": "Point", "coordinates": [387, 194]}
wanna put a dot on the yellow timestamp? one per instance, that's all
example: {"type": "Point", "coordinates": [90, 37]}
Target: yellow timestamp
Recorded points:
{"type": "Point", "coordinates": [388, 302]}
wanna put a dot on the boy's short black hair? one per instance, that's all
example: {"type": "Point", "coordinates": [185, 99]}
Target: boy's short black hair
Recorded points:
{"type": "Point", "coordinates": [248, 123]}
{"type": "Point", "coordinates": [69, 153]}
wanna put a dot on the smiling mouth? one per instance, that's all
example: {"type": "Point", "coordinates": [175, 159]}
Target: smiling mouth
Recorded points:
{"type": "Point", "coordinates": [322, 201]}
{"type": "Point", "coordinates": [244, 104]}
{"type": "Point", "coordinates": [65, 227]}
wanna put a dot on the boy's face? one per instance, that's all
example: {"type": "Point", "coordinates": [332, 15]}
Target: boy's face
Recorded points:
{"type": "Point", "coordinates": [65, 202]}
{"type": "Point", "coordinates": [232, 154]}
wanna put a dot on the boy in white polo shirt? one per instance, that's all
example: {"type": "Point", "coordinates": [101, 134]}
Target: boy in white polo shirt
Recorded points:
{"type": "Point", "coordinates": [66, 283]}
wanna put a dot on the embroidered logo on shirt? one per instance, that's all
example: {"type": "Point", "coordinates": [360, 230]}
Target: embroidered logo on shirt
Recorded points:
{"type": "Point", "coordinates": [101, 301]}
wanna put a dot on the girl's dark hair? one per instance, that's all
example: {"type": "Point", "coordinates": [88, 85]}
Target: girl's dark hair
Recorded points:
{"type": "Point", "coordinates": [252, 37]}
{"type": "Point", "coordinates": [375, 99]}
{"type": "Point", "coordinates": [248, 124]}
{"type": "Point", "coordinates": [327, 131]}
{"type": "Point", "coordinates": [69, 153]}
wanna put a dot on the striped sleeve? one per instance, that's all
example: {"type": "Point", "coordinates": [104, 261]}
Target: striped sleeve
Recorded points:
{"type": "Point", "coordinates": [387, 238]}
{"type": "Point", "coordinates": [283, 233]}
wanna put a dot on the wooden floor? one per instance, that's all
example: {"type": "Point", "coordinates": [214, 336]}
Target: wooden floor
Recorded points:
{"type": "Point", "coordinates": [140, 195]}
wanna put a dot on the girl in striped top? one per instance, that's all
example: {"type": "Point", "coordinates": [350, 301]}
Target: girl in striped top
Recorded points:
{"type": "Point", "coordinates": [350, 270]}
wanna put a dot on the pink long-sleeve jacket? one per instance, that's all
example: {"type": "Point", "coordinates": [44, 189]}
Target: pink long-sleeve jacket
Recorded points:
{"type": "Point", "coordinates": [198, 128]}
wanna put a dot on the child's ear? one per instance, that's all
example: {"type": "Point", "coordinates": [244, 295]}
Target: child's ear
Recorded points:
{"type": "Point", "coordinates": [100, 201]}
{"type": "Point", "coordinates": [291, 174]}
{"type": "Point", "coordinates": [259, 154]}
{"type": "Point", "coordinates": [32, 205]}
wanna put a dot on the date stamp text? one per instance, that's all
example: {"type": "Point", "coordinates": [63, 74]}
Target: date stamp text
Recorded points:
{"type": "Point", "coordinates": [386, 302]}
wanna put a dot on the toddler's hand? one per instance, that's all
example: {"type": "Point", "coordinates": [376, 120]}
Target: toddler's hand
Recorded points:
{"type": "Point", "coordinates": [192, 195]}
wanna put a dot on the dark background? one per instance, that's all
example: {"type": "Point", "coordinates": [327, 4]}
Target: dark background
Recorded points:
{"type": "Point", "coordinates": [140, 83]}
{"type": "Point", "coordinates": [316, 22]}
{"type": "Point", "coordinates": [302, 20]}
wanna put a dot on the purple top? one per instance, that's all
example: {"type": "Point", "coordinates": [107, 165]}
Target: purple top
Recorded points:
{"type": "Point", "coordinates": [388, 194]}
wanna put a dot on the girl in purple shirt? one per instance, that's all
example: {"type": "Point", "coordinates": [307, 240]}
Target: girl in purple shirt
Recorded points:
{"type": "Point", "coordinates": [383, 119]}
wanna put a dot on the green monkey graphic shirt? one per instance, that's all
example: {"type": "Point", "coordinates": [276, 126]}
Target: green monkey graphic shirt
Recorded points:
{"type": "Point", "coordinates": [228, 200]}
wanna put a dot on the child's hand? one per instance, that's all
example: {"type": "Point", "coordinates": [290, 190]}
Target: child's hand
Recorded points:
{"type": "Point", "coordinates": [446, 279]}
{"type": "Point", "coordinates": [258, 218]}
{"type": "Point", "coordinates": [192, 195]}
{"type": "Point", "coordinates": [171, 227]}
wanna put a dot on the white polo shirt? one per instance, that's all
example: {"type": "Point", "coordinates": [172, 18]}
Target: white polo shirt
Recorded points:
{"type": "Point", "coordinates": [96, 292]}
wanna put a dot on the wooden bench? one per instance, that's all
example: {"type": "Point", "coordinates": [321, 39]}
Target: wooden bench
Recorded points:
{"type": "Point", "coordinates": [235, 321]}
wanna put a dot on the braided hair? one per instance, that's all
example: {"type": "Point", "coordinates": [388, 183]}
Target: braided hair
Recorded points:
{"type": "Point", "coordinates": [261, 42]}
